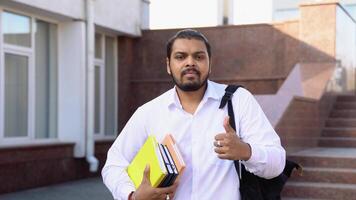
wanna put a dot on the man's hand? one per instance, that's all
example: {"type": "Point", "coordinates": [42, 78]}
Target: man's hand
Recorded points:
{"type": "Point", "coordinates": [146, 192]}
{"type": "Point", "coordinates": [229, 146]}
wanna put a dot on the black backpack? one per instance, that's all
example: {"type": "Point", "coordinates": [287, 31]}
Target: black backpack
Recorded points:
{"type": "Point", "coordinates": [253, 187]}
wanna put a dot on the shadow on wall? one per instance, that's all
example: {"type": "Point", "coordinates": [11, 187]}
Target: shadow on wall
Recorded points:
{"type": "Point", "coordinates": [260, 57]}
{"type": "Point", "coordinates": [257, 56]}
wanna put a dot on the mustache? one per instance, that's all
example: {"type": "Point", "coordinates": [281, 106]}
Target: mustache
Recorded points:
{"type": "Point", "coordinates": [189, 70]}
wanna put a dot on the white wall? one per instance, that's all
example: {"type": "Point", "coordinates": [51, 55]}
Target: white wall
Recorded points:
{"type": "Point", "coordinates": [285, 4]}
{"type": "Point", "coordinates": [118, 15]}
{"type": "Point", "coordinates": [70, 8]}
{"type": "Point", "coordinates": [183, 13]}
{"type": "Point", "coordinates": [145, 14]}
{"type": "Point", "coordinates": [252, 11]}
{"type": "Point", "coordinates": [71, 85]}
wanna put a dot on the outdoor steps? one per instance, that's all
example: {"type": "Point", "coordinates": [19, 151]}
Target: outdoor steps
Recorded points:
{"type": "Point", "coordinates": [300, 199]}
{"type": "Point", "coordinates": [330, 169]}
{"type": "Point", "coordinates": [345, 113]}
{"type": "Point", "coordinates": [340, 127]}
{"type": "Point", "coordinates": [337, 142]}
{"type": "Point", "coordinates": [329, 173]}
{"type": "Point", "coordinates": [340, 122]}
{"type": "Point", "coordinates": [339, 132]}
{"type": "Point", "coordinates": [321, 190]}
{"type": "Point", "coordinates": [345, 105]}
{"type": "Point", "coordinates": [326, 157]}
{"type": "Point", "coordinates": [346, 98]}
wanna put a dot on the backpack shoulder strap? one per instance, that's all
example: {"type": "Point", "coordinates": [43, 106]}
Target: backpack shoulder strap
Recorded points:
{"type": "Point", "coordinates": [229, 91]}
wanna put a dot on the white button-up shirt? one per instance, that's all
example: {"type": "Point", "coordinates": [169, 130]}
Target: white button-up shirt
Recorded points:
{"type": "Point", "coordinates": [206, 177]}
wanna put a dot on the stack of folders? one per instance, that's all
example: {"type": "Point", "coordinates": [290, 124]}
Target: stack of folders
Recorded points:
{"type": "Point", "coordinates": [165, 161]}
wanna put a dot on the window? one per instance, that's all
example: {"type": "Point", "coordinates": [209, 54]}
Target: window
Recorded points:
{"type": "Point", "coordinates": [16, 95]}
{"type": "Point", "coordinates": [351, 9]}
{"type": "Point", "coordinates": [105, 100]}
{"type": "Point", "coordinates": [46, 80]}
{"type": "Point", "coordinates": [17, 29]}
{"type": "Point", "coordinates": [28, 77]}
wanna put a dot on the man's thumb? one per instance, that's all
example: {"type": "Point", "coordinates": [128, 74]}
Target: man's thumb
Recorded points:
{"type": "Point", "coordinates": [227, 126]}
{"type": "Point", "coordinates": [146, 174]}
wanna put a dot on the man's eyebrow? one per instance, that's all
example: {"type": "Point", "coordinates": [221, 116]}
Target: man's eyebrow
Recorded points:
{"type": "Point", "coordinates": [182, 52]}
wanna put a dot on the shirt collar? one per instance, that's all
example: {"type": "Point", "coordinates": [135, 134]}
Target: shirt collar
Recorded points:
{"type": "Point", "coordinates": [210, 93]}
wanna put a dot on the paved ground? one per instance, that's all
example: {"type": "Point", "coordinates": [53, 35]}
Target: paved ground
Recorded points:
{"type": "Point", "coordinates": [86, 189]}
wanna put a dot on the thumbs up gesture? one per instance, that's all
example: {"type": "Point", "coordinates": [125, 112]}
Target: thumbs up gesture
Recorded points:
{"type": "Point", "coordinates": [229, 146]}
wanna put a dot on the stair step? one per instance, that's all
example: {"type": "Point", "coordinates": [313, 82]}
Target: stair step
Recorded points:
{"type": "Point", "coordinates": [345, 105]}
{"type": "Point", "coordinates": [327, 175]}
{"type": "Point", "coordinates": [343, 113]}
{"type": "Point", "coordinates": [319, 190]}
{"type": "Point", "coordinates": [339, 132]}
{"type": "Point", "coordinates": [336, 122]}
{"type": "Point", "coordinates": [291, 198]}
{"type": "Point", "coordinates": [337, 142]}
{"type": "Point", "coordinates": [346, 98]}
{"type": "Point", "coordinates": [326, 157]}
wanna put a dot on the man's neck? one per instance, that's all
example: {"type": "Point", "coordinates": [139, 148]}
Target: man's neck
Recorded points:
{"type": "Point", "coordinates": [190, 100]}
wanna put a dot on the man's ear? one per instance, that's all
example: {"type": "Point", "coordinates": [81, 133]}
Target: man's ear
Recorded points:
{"type": "Point", "coordinates": [210, 63]}
{"type": "Point", "coordinates": [168, 68]}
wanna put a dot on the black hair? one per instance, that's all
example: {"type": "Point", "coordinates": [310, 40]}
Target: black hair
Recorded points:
{"type": "Point", "coordinates": [187, 34]}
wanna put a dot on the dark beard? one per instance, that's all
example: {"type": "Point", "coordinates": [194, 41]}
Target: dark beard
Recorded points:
{"type": "Point", "coordinates": [190, 86]}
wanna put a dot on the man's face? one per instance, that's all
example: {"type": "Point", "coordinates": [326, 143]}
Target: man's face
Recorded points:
{"type": "Point", "coordinates": [189, 64]}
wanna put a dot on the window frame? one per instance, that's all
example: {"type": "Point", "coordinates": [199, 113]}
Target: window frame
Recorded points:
{"type": "Point", "coordinates": [101, 62]}
{"type": "Point", "coordinates": [30, 89]}
{"type": "Point", "coordinates": [30, 53]}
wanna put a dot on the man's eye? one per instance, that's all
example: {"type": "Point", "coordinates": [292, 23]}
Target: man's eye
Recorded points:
{"type": "Point", "coordinates": [199, 57]}
{"type": "Point", "coordinates": [179, 57]}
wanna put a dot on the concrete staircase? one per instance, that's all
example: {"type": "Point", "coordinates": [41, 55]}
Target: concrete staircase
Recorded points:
{"type": "Point", "coordinates": [329, 170]}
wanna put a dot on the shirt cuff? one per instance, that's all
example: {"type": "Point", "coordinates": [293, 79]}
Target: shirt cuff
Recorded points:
{"type": "Point", "coordinates": [258, 155]}
{"type": "Point", "coordinates": [125, 190]}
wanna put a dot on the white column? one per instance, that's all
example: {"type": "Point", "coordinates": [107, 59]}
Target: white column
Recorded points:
{"type": "Point", "coordinates": [71, 84]}
{"type": "Point", "coordinates": [90, 38]}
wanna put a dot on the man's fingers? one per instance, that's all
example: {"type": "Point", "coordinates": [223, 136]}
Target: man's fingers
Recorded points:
{"type": "Point", "coordinates": [167, 190]}
{"type": "Point", "coordinates": [219, 143]}
{"type": "Point", "coordinates": [164, 196]}
{"type": "Point", "coordinates": [221, 150]}
{"type": "Point", "coordinates": [222, 153]}
{"type": "Point", "coordinates": [220, 136]}
{"type": "Point", "coordinates": [227, 126]}
{"type": "Point", "coordinates": [225, 156]}
{"type": "Point", "coordinates": [171, 196]}
{"type": "Point", "coordinates": [146, 175]}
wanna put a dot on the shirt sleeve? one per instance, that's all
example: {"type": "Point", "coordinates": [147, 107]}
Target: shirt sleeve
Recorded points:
{"type": "Point", "coordinates": [120, 155]}
{"type": "Point", "coordinates": [268, 156]}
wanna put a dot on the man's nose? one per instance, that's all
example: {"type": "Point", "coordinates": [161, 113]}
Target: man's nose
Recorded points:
{"type": "Point", "coordinates": [190, 61]}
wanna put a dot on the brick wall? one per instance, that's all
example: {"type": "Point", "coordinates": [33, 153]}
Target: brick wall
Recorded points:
{"type": "Point", "coordinates": [42, 165]}
{"type": "Point", "coordinates": [302, 122]}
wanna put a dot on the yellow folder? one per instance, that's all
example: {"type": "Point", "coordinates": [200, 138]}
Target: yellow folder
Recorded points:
{"type": "Point", "coordinates": [149, 154]}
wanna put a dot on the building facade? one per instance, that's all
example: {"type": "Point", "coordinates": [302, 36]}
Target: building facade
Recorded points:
{"type": "Point", "coordinates": [72, 73]}
{"type": "Point", "coordinates": [289, 9]}
{"type": "Point", "coordinates": [59, 86]}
